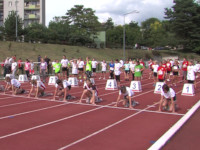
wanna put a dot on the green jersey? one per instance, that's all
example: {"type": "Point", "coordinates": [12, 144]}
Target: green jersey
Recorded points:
{"type": "Point", "coordinates": [89, 66]}
{"type": "Point", "coordinates": [138, 72]}
{"type": "Point", "coordinates": [57, 67]}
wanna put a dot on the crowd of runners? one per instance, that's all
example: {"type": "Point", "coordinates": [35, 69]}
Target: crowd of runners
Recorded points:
{"type": "Point", "coordinates": [167, 71]}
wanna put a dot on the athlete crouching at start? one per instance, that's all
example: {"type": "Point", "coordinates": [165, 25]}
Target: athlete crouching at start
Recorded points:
{"type": "Point", "coordinates": [38, 87]}
{"type": "Point", "coordinates": [62, 88]}
{"type": "Point", "coordinates": [168, 99]}
{"type": "Point", "coordinates": [90, 92]}
{"type": "Point", "coordinates": [127, 97]}
{"type": "Point", "coordinates": [14, 85]}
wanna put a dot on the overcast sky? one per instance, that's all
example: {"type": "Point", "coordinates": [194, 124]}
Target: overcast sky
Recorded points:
{"type": "Point", "coordinates": [111, 8]}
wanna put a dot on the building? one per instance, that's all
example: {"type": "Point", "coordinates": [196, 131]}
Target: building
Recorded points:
{"type": "Point", "coordinates": [1, 12]}
{"type": "Point", "coordinates": [30, 11]}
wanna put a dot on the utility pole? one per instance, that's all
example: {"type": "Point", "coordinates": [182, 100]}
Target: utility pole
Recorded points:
{"type": "Point", "coordinates": [16, 2]}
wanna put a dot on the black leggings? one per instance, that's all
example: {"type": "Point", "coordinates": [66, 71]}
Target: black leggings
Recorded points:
{"type": "Point", "coordinates": [112, 74]}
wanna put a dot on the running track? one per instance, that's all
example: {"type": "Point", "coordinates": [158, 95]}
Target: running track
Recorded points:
{"type": "Point", "coordinates": [28, 123]}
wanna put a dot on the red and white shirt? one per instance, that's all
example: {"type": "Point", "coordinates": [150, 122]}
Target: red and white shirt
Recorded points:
{"type": "Point", "coordinates": [161, 72]}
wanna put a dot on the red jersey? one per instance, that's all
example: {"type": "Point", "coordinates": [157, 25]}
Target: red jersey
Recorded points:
{"type": "Point", "coordinates": [19, 63]}
{"type": "Point", "coordinates": [161, 72]}
{"type": "Point", "coordinates": [164, 65]}
{"type": "Point", "coordinates": [184, 65]}
{"type": "Point", "coordinates": [142, 64]}
{"type": "Point", "coordinates": [168, 64]}
{"type": "Point", "coordinates": [150, 65]}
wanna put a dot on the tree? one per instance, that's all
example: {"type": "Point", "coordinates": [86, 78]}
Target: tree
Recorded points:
{"type": "Point", "coordinates": [108, 25]}
{"type": "Point", "coordinates": [36, 32]}
{"type": "Point", "coordinates": [10, 26]}
{"type": "Point", "coordinates": [59, 31]}
{"type": "Point", "coordinates": [83, 23]}
{"type": "Point", "coordinates": [184, 17]}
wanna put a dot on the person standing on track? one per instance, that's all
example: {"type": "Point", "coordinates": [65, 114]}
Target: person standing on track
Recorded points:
{"type": "Point", "coordinates": [138, 71]}
{"type": "Point", "coordinates": [184, 69]}
{"type": "Point", "coordinates": [155, 72]}
{"type": "Point", "coordinates": [94, 67]}
{"type": "Point", "coordinates": [168, 99]}
{"type": "Point", "coordinates": [43, 70]}
{"type": "Point", "coordinates": [132, 69]}
{"type": "Point", "coordinates": [191, 73]}
{"type": "Point", "coordinates": [175, 71]}
{"type": "Point", "coordinates": [111, 65]}
{"type": "Point", "coordinates": [74, 67]}
{"type": "Point", "coordinates": [127, 94]}
{"type": "Point", "coordinates": [65, 68]}
{"type": "Point", "coordinates": [27, 67]}
{"type": "Point", "coordinates": [126, 70]}
{"type": "Point", "coordinates": [88, 68]}
{"type": "Point", "coordinates": [80, 68]}
{"type": "Point", "coordinates": [161, 73]}
{"type": "Point", "coordinates": [117, 71]}
{"type": "Point", "coordinates": [103, 69]}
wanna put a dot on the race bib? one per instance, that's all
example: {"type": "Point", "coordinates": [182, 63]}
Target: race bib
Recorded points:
{"type": "Point", "coordinates": [160, 72]}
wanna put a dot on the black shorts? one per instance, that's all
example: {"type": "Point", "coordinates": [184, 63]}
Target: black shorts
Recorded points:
{"type": "Point", "coordinates": [168, 72]}
{"type": "Point", "coordinates": [175, 73]}
{"type": "Point", "coordinates": [151, 69]}
{"type": "Point", "coordinates": [80, 69]}
{"type": "Point", "coordinates": [93, 69]}
{"type": "Point", "coordinates": [117, 78]}
{"type": "Point", "coordinates": [64, 69]}
{"type": "Point", "coordinates": [57, 72]}
{"type": "Point", "coordinates": [191, 81]}
{"type": "Point", "coordinates": [103, 71]}
{"type": "Point", "coordinates": [127, 71]}
{"type": "Point", "coordinates": [155, 74]}
{"type": "Point", "coordinates": [174, 98]}
{"type": "Point", "coordinates": [161, 80]}
{"type": "Point", "coordinates": [69, 87]}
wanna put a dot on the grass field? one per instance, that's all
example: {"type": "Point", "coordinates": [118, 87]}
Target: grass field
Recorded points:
{"type": "Point", "coordinates": [55, 51]}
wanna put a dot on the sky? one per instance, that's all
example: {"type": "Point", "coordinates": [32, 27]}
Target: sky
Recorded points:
{"type": "Point", "coordinates": [111, 8]}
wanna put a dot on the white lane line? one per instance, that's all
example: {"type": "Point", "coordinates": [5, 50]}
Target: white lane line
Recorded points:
{"type": "Point", "coordinates": [50, 123]}
{"type": "Point", "coordinates": [6, 98]}
{"type": "Point", "coordinates": [28, 112]}
{"type": "Point", "coordinates": [13, 104]}
{"type": "Point", "coordinates": [102, 130]}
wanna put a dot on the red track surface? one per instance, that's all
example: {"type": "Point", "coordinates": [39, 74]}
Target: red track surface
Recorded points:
{"type": "Point", "coordinates": [28, 123]}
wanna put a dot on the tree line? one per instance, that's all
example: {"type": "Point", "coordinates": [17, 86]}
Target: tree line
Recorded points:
{"type": "Point", "coordinates": [79, 26]}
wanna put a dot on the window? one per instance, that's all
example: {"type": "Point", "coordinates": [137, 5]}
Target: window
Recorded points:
{"type": "Point", "coordinates": [10, 4]}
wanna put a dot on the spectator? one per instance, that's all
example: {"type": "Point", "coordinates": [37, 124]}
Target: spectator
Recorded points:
{"type": "Point", "coordinates": [47, 60]}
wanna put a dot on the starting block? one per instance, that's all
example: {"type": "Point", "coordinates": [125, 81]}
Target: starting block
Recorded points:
{"type": "Point", "coordinates": [158, 87]}
{"type": "Point", "coordinates": [35, 77]}
{"type": "Point", "coordinates": [135, 86]}
{"type": "Point", "coordinates": [111, 84]}
{"type": "Point", "coordinates": [188, 89]}
{"type": "Point", "coordinates": [10, 75]}
{"type": "Point", "coordinates": [73, 81]}
{"type": "Point", "coordinates": [52, 80]}
{"type": "Point", "coordinates": [23, 78]}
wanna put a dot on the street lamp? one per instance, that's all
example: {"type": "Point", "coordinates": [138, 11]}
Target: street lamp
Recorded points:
{"type": "Point", "coordinates": [124, 38]}
{"type": "Point", "coordinates": [16, 2]}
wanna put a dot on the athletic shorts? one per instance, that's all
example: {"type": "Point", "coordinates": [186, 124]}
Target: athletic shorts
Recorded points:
{"type": "Point", "coordinates": [175, 73]}
{"type": "Point", "coordinates": [80, 69]}
{"type": "Point", "coordinates": [155, 74]}
{"type": "Point", "coordinates": [174, 98]}
{"type": "Point", "coordinates": [64, 69]}
{"type": "Point", "coordinates": [117, 78]}
{"type": "Point", "coordinates": [127, 71]}
{"type": "Point", "coordinates": [161, 80]}
{"type": "Point", "coordinates": [168, 72]}
{"type": "Point", "coordinates": [93, 69]}
{"type": "Point", "coordinates": [191, 81]}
